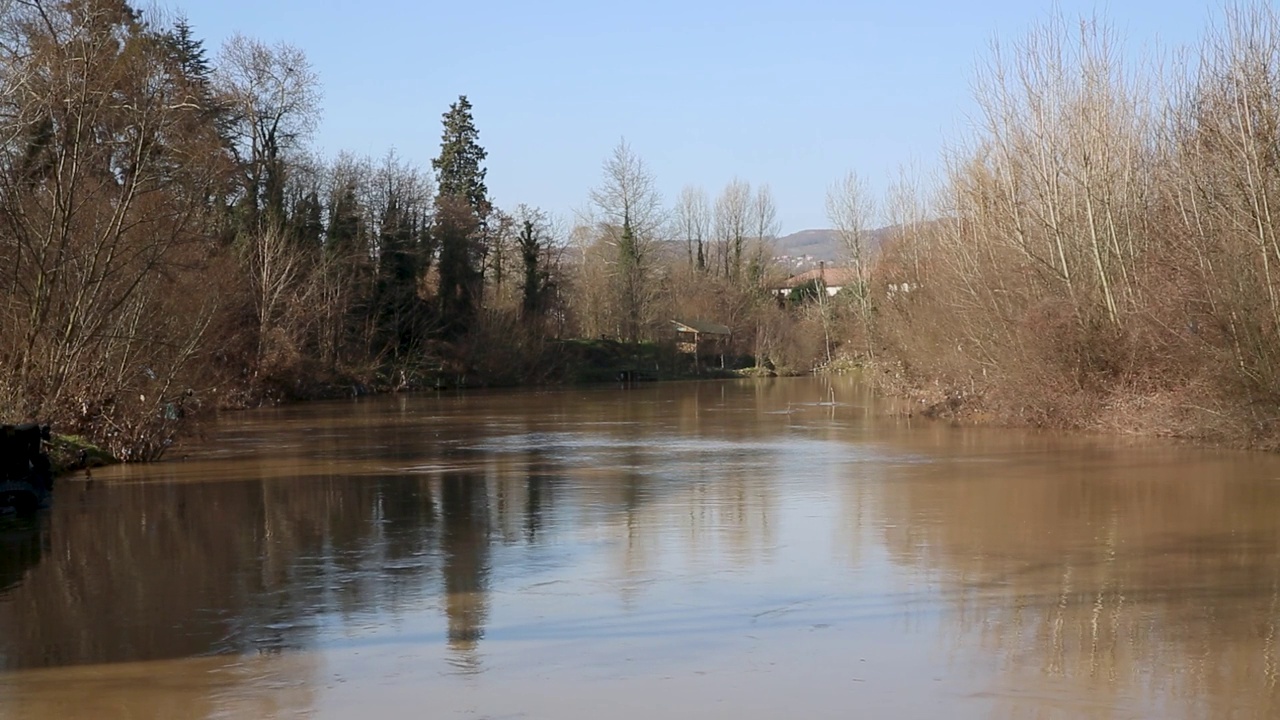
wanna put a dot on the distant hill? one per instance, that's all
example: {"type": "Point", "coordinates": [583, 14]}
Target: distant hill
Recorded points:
{"type": "Point", "coordinates": [809, 247]}
{"type": "Point", "coordinates": [818, 244]}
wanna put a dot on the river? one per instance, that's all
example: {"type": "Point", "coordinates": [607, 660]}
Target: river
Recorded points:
{"type": "Point", "coordinates": [754, 549]}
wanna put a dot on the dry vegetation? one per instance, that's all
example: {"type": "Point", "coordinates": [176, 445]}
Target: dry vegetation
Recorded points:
{"type": "Point", "coordinates": [171, 244]}
{"type": "Point", "coordinates": [1103, 252]}
{"type": "Point", "coordinates": [1105, 249]}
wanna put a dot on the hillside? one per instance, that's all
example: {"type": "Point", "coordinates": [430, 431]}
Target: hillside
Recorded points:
{"type": "Point", "coordinates": [808, 247]}
{"type": "Point", "coordinates": [818, 244]}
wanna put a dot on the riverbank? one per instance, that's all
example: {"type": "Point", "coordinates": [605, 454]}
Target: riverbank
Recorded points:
{"type": "Point", "coordinates": [1173, 414]}
{"type": "Point", "coordinates": [450, 367]}
{"type": "Point", "coordinates": [558, 363]}
{"type": "Point", "coordinates": [72, 453]}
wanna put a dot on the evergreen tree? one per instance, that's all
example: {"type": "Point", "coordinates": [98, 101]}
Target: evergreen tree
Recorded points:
{"type": "Point", "coordinates": [536, 278]}
{"type": "Point", "coordinates": [462, 213]}
{"type": "Point", "coordinates": [38, 160]}
{"type": "Point", "coordinates": [195, 72]}
{"type": "Point", "coordinates": [305, 226]}
{"type": "Point", "coordinates": [342, 237]}
{"type": "Point", "coordinates": [629, 268]}
{"type": "Point", "coordinates": [455, 232]}
{"type": "Point", "coordinates": [189, 53]}
{"type": "Point", "coordinates": [398, 268]}
{"type": "Point", "coordinates": [459, 168]}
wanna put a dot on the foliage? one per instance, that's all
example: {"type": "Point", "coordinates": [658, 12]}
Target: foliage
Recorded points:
{"type": "Point", "coordinates": [460, 170]}
{"type": "Point", "coordinates": [462, 215]}
{"type": "Point", "coordinates": [812, 290]}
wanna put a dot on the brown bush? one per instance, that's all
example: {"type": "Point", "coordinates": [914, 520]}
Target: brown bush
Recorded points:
{"type": "Point", "coordinates": [1101, 263]}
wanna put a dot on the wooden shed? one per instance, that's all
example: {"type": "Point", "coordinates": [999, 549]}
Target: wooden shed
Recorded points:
{"type": "Point", "coordinates": [702, 339]}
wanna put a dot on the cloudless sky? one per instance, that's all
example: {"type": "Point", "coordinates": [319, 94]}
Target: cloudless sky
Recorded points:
{"type": "Point", "coordinates": [792, 94]}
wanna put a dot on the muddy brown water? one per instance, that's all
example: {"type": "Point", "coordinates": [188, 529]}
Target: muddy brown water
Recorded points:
{"type": "Point", "coordinates": [771, 549]}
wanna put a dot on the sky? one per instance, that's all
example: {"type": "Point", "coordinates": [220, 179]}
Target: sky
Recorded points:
{"type": "Point", "coordinates": [791, 94]}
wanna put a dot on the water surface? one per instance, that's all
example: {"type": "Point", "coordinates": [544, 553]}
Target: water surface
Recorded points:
{"type": "Point", "coordinates": [780, 548]}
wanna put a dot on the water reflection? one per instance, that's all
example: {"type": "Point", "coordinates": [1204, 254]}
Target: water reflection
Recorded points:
{"type": "Point", "coordinates": [464, 547]}
{"type": "Point", "coordinates": [23, 542]}
{"type": "Point", "coordinates": [750, 541]}
{"type": "Point", "coordinates": [1136, 573]}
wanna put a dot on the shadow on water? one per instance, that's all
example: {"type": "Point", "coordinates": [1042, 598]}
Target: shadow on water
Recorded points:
{"type": "Point", "coordinates": [23, 543]}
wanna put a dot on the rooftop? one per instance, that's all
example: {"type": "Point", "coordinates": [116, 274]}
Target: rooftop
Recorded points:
{"type": "Point", "coordinates": [832, 277]}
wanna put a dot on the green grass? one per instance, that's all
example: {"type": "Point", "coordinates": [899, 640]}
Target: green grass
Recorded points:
{"type": "Point", "coordinates": [65, 454]}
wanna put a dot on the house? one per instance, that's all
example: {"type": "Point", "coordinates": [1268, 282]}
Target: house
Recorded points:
{"type": "Point", "coordinates": [833, 279]}
{"type": "Point", "coordinates": [702, 339]}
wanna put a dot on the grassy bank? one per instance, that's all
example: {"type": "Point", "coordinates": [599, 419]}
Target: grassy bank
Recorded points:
{"type": "Point", "coordinates": [69, 453]}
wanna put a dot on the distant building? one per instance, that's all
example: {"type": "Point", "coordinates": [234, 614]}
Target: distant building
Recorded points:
{"type": "Point", "coordinates": [833, 279]}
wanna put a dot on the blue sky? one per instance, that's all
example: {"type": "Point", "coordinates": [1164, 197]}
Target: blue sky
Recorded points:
{"type": "Point", "coordinates": [791, 94]}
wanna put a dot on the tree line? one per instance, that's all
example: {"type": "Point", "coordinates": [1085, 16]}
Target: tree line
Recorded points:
{"type": "Point", "coordinates": [1100, 250]}
{"type": "Point", "coordinates": [171, 242]}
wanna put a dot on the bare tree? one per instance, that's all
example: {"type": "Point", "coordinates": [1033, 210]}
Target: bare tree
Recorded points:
{"type": "Point", "coordinates": [276, 266]}
{"type": "Point", "coordinates": [764, 229]}
{"type": "Point", "coordinates": [733, 225]}
{"type": "Point", "coordinates": [342, 278]}
{"type": "Point", "coordinates": [1225, 186]}
{"type": "Point", "coordinates": [502, 258]}
{"type": "Point", "coordinates": [1064, 145]}
{"type": "Point", "coordinates": [274, 98]}
{"type": "Point", "coordinates": [906, 213]}
{"type": "Point", "coordinates": [105, 173]}
{"type": "Point", "coordinates": [693, 223]}
{"type": "Point", "coordinates": [628, 195]}
{"type": "Point", "coordinates": [630, 220]}
{"type": "Point", "coordinates": [851, 210]}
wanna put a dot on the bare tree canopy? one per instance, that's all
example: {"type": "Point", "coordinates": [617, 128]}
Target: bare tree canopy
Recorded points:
{"type": "Point", "coordinates": [733, 225]}
{"type": "Point", "coordinates": [693, 223]}
{"type": "Point", "coordinates": [273, 98]}
{"type": "Point", "coordinates": [628, 195]}
{"type": "Point", "coordinates": [274, 93]}
{"type": "Point", "coordinates": [105, 176]}
{"type": "Point", "coordinates": [851, 211]}
{"type": "Point", "coordinates": [764, 215]}
{"type": "Point", "coordinates": [631, 221]}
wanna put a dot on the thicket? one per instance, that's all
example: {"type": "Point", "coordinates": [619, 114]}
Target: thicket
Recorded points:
{"type": "Point", "coordinates": [169, 243]}
{"type": "Point", "coordinates": [1104, 250]}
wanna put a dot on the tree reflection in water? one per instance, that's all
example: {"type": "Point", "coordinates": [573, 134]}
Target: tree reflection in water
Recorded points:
{"type": "Point", "coordinates": [464, 554]}
{"type": "Point", "coordinates": [1068, 573]}
{"type": "Point", "coordinates": [23, 543]}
